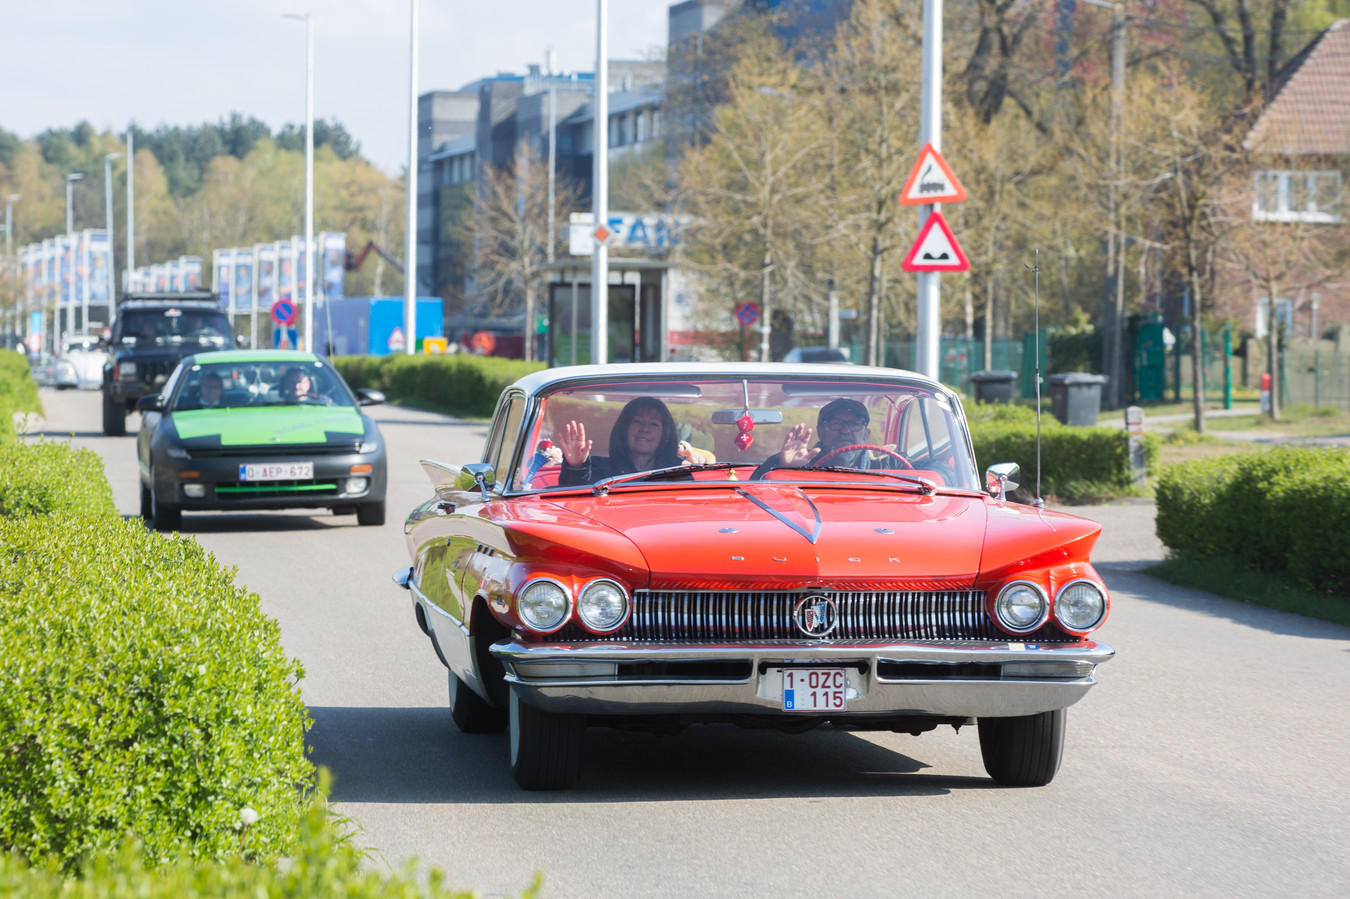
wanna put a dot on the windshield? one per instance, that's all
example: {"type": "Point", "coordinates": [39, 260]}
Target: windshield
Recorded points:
{"type": "Point", "coordinates": [765, 429]}
{"type": "Point", "coordinates": [232, 385]}
{"type": "Point", "coordinates": [173, 327]}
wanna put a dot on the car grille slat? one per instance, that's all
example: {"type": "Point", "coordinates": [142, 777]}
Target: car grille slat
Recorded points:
{"type": "Point", "coordinates": [719, 617]}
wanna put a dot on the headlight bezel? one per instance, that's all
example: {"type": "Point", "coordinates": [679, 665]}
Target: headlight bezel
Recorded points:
{"type": "Point", "coordinates": [1105, 607]}
{"type": "Point", "coordinates": [995, 606]}
{"type": "Point", "coordinates": [568, 602]}
{"type": "Point", "coordinates": [625, 599]}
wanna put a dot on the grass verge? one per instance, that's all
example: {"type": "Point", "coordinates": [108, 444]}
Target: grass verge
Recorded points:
{"type": "Point", "coordinates": [1228, 578]}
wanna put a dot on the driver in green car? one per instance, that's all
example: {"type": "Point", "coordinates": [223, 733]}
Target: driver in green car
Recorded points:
{"type": "Point", "coordinates": [841, 422]}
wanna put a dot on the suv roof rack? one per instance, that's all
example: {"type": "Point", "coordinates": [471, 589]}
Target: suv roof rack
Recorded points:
{"type": "Point", "coordinates": [172, 296]}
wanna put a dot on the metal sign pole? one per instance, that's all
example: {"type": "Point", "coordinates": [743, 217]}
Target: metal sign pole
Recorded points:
{"type": "Point", "coordinates": [930, 132]}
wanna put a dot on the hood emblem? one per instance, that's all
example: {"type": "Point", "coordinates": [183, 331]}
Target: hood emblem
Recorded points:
{"type": "Point", "coordinates": [816, 616]}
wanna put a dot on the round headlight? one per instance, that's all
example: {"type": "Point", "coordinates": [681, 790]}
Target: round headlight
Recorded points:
{"type": "Point", "coordinates": [543, 605]}
{"type": "Point", "coordinates": [1080, 606]}
{"type": "Point", "coordinates": [1021, 607]}
{"type": "Point", "coordinates": [602, 605]}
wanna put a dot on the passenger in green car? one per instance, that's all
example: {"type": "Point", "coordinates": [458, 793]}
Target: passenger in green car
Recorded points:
{"type": "Point", "coordinates": [297, 387]}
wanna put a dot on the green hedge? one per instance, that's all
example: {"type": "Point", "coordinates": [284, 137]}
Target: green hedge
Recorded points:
{"type": "Point", "coordinates": [458, 384]}
{"type": "Point", "coordinates": [44, 477]}
{"type": "Point", "coordinates": [145, 695]}
{"type": "Point", "coordinates": [1077, 463]}
{"type": "Point", "coordinates": [322, 865]}
{"type": "Point", "coordinates": [1285, 510]}
{"type": "Point", "coordinates": [18, 390]}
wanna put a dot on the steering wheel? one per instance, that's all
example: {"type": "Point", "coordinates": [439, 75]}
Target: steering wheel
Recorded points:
{"type": "Point", "coordinates": [862, 446]}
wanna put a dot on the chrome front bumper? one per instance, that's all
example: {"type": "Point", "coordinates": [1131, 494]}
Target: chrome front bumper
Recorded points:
{"type": "Point", "coordinates": [968, 679]}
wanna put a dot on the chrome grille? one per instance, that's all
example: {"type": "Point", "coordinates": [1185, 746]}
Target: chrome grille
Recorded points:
{"type": "Point", "coordinates": [730, 617]}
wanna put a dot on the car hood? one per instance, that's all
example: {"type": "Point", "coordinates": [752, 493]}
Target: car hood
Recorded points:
{"type": "Point", "coordinates": [269, 426]}
{"type": "Point", "coordinates": [747, 534]}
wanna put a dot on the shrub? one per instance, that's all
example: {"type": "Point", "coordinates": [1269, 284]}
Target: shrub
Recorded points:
{"type": "Point", "coordinates": [1076, 463]}
{"type": "Point", "coordinates": [44, 477]}
{"type": "Point", "coordinates": [145, 695]}
{"type": "Point", "coordinates": [1284, 509]}
{"type": "Point", "coordinates": [18, 390]}
{"type": "Point", "coordinates": [458, 384]}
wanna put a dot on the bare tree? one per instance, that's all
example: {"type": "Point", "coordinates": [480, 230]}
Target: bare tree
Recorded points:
{"type": "Point", "coordinates": [509, 230]}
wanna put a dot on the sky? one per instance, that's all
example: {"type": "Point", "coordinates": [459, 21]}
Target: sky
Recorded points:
{"type": "Point", "coordinates": [187, 62]}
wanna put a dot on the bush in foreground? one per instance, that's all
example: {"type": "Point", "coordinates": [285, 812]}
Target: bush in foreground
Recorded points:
{"type": "Point", "coordinates": [47, 476]}
{"type": "Point", "coordinates": [145, 695]}
{"type": "Point", "coordinates": [18, 390]}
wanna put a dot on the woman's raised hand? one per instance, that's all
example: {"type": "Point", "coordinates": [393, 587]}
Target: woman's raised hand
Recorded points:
{"type": "Point", "coordinates": [576, 449]}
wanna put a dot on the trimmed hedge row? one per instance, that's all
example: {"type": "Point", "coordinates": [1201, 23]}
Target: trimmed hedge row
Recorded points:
{"type": "Point", "coordinates": [45, 477]}
{"type": "Point", "coordinates": [145, 695]}
{"type": "Point", "coordinates": [18, 390]}
{"type": "Point", "coordinates": [458, 384]}
{"type": "Point", "coordinates": [1076, 462]}
{"type": "Point", "coordinates": [1286, 509]}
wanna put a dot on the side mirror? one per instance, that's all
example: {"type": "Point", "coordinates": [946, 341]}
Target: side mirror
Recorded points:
{"type": "Point", "coordinates": [1000, 478]}
{"type": "Point", "coordinates": [368, 396]}
{"type": "Point", "coordinates": [481, 475]}
{"type": "Point", "coordinates": [151, 402]}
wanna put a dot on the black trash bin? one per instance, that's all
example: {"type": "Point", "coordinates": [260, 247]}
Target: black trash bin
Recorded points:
{"type": "Point", "coordinates": [1076, 397]}
{"type": "Point", "coordinates": [994, 386]}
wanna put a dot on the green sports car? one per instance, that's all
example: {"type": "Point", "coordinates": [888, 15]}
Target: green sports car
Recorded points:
{"type": "Point", "coordinates": [259, 429]}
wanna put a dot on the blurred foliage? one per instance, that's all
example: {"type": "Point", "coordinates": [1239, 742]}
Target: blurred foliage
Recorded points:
{"type": "Point", "coordinates": [18, 390]}
{"type": "Point", "coordinates": [459, 384]}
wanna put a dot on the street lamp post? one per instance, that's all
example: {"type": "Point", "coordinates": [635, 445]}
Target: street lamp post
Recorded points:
{"type": "Point", "coordinates": [1114, 321]}
{"type": "Point", "coordinates": [600, 189]}
{"type": "Point", "coordinates": [9, 249]}
{"type": "Point", "coordinates": [70, 232]}
{"type": "Point", "coordinates": [108, 216]}
{"type": "Point", "coordinates": [410, 252]}
{"type": "Point", "coordinates": [307, 252]}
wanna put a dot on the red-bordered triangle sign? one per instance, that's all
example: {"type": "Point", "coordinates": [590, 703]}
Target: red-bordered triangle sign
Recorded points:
{"type": "Point", "coordinates": [936, 249]}
{"type": "Point", "coordinates": [931, 181]}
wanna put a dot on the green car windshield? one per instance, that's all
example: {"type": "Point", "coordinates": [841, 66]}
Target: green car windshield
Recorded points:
{"type": "Point", "coordinates": [231, 385]}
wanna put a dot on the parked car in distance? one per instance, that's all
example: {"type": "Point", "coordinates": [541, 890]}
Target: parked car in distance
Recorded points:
{"type": "Point", "coordinates": [834, 557]}
{"type": "Point", "coordinates": [53, 371]}
{"type": "Point", "coordinates": [88, 355]}
{"type": "Point", "coordinates": [799, 354]}
{"type": "Point", "coordinates": [240, 430]}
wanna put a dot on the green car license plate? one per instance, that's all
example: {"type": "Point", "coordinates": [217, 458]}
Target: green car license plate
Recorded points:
{"type": "Point", "coordinates": [277, 471]}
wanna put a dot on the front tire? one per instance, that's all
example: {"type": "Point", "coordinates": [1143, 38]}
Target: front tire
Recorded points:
{"type": "Point", "coordinates": [545, 747]}
{"type": "Point", "coordinates": [147, 504]}
{"type": "Point", "coordinates": [114, 418]}
{"type": "Point", "coordinates": [471, 713]}
{"type": "Point", "coordinates": [370, 514]}
{"type": "Point", "coordinates": [166, 517]}
{"type": "Point", "coordinates": [1025, 751]}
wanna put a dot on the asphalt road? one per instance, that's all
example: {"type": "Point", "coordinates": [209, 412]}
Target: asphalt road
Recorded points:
{"type": "Point", "coordinates": [1211, 759]}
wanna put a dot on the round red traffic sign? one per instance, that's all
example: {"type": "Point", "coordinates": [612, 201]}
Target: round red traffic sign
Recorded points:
{"type": "Point", "coordinates": [283, 312]}
{"type": "Point", "coordinates": [747, 314]}
{"type": "Point", "coordinates": [483, 343]}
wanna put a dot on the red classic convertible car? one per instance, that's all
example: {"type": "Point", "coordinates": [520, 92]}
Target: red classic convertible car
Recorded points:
{"type": "Point", "coordinates": [651, 546]}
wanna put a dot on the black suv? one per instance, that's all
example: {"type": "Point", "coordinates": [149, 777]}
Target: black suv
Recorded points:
{"type": "Point", "coordinates": [151, 333]}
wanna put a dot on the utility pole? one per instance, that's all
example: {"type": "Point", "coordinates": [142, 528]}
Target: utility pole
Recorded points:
{"type": "Point", "coordinates": [410, 251]}
{"type": "Point", "coordinates": [1113, 321]}
{"type": "Point", "coordinates": [131, 205]}
{"type": "Point", "coordinates": [308, 250]}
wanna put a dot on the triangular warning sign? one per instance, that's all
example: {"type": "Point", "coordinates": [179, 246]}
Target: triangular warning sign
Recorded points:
{"type": "Point", "coordinates": [936, 250]}
{"type": "Point", "coordinates": [931, 181]}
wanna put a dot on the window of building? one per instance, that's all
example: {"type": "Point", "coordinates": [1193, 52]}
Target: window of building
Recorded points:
{"type": "Point", "coordinates": [615, 134]}
{"type": "Point", "coordinates": [1289, 196]}
{"type": "Point", "coordinates": [641, 127]}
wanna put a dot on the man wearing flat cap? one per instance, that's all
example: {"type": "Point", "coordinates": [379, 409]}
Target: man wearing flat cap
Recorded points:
{"type": "Point", "coordinates": [841, 422]}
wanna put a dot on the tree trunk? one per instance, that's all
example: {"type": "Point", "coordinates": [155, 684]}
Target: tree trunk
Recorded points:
{"type": "Point", "coordinates": [529, 322]}
{"type": "Point", "coordinates": [764, 294]}
{"type": "Point", "coordinates": [873, 302]}
{"type": "Point", "coordinates": [1197, 359]}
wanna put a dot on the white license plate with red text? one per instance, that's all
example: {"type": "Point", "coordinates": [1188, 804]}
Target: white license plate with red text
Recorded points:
{"type": "Point", "coordinates": [277, 471]}
{"type": "Point", "coordinates": [815, 689]}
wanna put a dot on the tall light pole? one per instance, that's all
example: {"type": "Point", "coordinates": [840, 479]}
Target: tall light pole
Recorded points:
{"type": "Point", "coordinates": [929, 320]}
{"type": "Point", "coordinates": [70, 232]}
{"type": "Point", "coordinates": [131, 203]}
{"type": "Point", "coordinates": [8, 247]}
{"type": "Point", "coordinates": [1113, 337]}
{"type": "Point", "coordinates": [308, 256]}
{"type": "Point", "coordinates": [410, 243]}
{"type": "Point", "coordinates": [600, 189]}
{"type": "Point", "coordinates": [108, 215]}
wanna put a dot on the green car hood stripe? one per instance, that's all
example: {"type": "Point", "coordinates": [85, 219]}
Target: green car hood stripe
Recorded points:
{"type": "Point", "coordinates": [270, 426]}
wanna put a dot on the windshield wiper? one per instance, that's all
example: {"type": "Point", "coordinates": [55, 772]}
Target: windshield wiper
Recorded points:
{"type": "Point", "coordinates": [925, 486]}
{"type": "Point", "coordinates": [600, 488]}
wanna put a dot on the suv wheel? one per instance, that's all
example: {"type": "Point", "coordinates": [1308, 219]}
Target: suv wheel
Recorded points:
{"type": "Point", "coordinates": [114, 417]}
